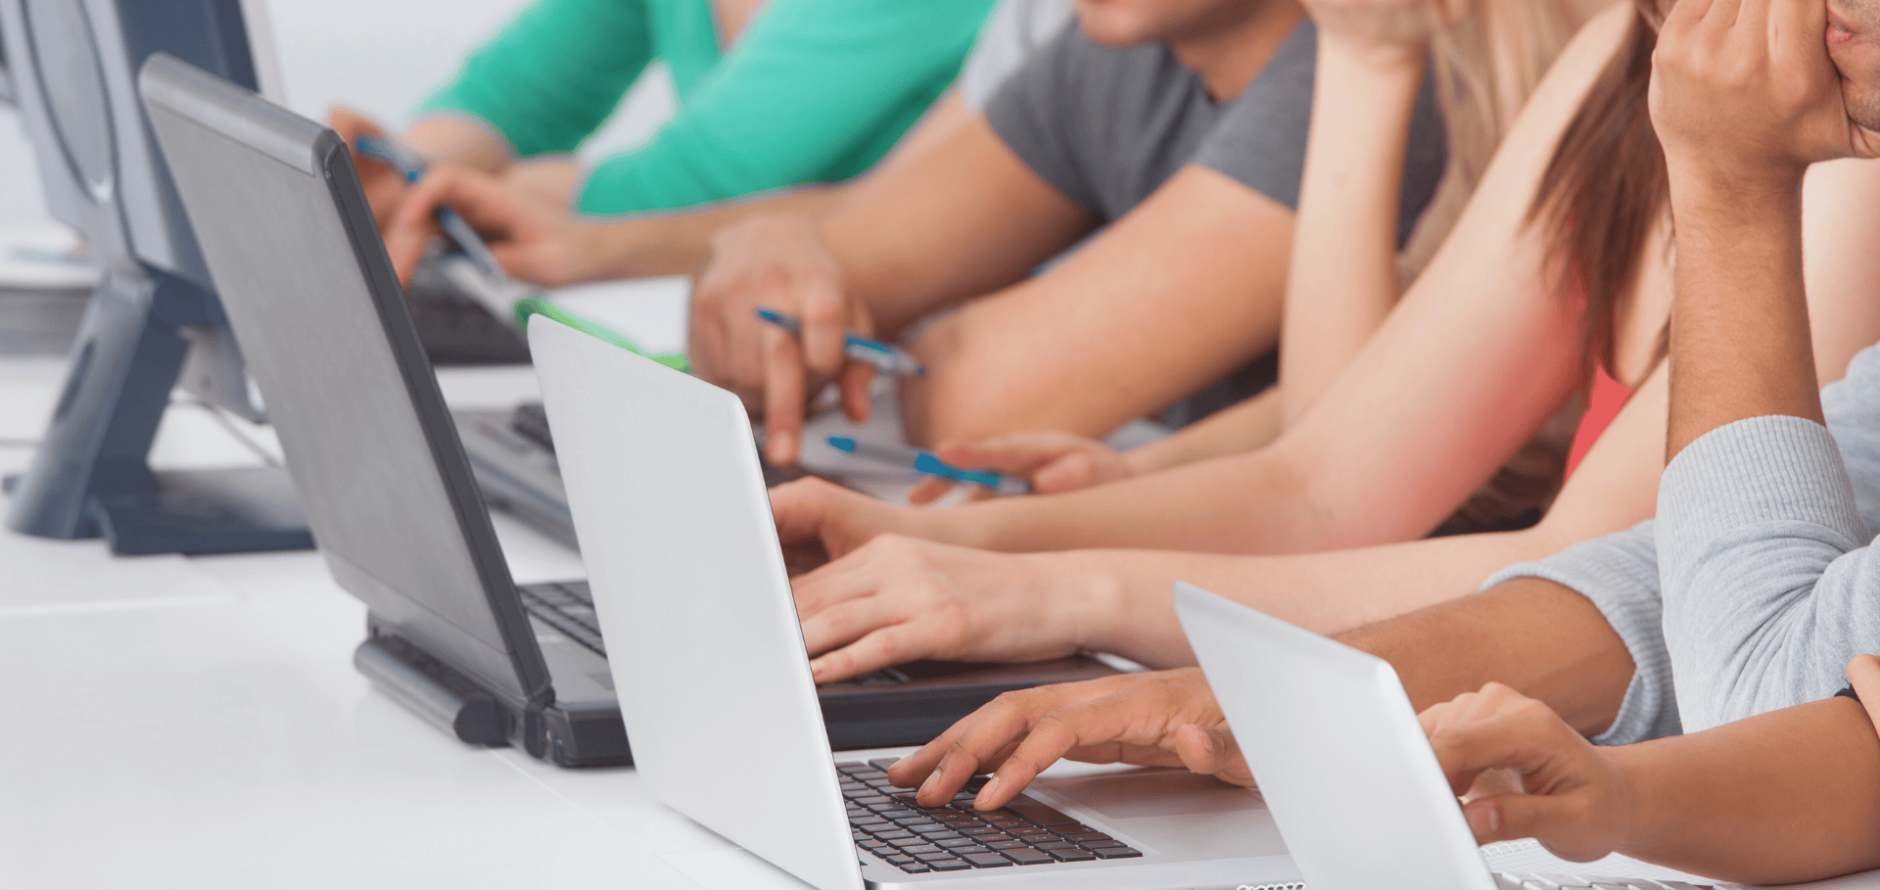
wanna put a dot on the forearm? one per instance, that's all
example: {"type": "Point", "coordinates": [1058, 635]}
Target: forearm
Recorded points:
{"type": "Point", "coordinates": [1785, 797]}
{"type": "Point", "coordinates": [1172, 297]}
{"type": "Point", "coordinates": [1248, 426]}
{"type": "Point", "coordinates": [1536, 636]}
{"type": "Point", "coordinates": [1344, 272]}
{"type": "Point", "coordinates": [1330, 593]}
{"type": "Point", "coordinates": [680, 243]}
{"type": "Point", "coordinates": [1739, 333]}
{"type": "Point", "coordinates": [959, 219]}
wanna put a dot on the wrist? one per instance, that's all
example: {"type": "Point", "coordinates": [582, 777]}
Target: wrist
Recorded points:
{"type": "Point", "coordinates": [1088, 599]}
{"type": "Point", "coordinates": [1636, 802]}
{"type": "Point", "coordinates": [1395, 61]}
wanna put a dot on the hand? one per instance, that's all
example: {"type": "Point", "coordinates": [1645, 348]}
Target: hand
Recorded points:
{"type": "Point", "coordinates": [1743, 90]}
{"type": "Point", "coordinates": [1525, 773]}
{"type": "Point", "coordinates": [533, 241]}
{"type": "Point", "coordinates": [777, 261]}
{"type": "Point", "coordinates": [384, 186]}
{"type": "Point", "coordinates": [817, 511]}
{"type": "Point", "coordinates": [896, 600]}
{"type": "Point", "coordinates": [1385, 32]}
{"type": "Point", "coordinates": [1161, 718]}
{"type": "Point", "coordinates": [1053, 461]}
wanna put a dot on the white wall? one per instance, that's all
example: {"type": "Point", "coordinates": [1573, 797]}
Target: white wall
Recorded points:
{"type": "Point", "coordinates": [378, 56]}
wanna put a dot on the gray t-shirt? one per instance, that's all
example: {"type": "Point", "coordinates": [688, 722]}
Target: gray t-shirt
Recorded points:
{"type": "Point", "coordinates": [1106, 127]}
{"type": "Point", "coordinates": [1015, 32]}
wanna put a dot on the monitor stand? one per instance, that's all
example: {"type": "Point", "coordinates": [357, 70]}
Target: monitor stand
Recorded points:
{"type": "Point", "coordinates": [90, 476]}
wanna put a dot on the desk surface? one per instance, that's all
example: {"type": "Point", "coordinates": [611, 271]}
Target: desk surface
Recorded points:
{"type": "Point", "coordinates": [195, 722]}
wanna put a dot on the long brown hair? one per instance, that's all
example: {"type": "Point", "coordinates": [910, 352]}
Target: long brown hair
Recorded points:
{"type": "Point", "coordinates": [1605, 190]}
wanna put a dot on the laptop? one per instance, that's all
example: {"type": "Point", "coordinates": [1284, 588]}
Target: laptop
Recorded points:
{"type": "Point", "coordinates": [1343, 761]}
{"type": "Point", "coordinates": [382, 474]}
{"type": "Point", "coordinates": [715, 686]}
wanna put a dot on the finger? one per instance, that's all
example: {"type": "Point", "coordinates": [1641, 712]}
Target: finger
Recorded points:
{"type": "Point", "coordinates": [929, 490]}
{"type": "Point", "coordinates": [1684, 16]}
{"type": "Point", "coordinates": [406, 244]}
{"type": "Point", "coordinates": [994, 728]}
{"type": "Point", "coordinates": [824, 319]}
{"type": "Point", "coordinates": [783, 397]}
{"type": "Point", "coordinates": [1018, 453]}
{"type": "Point", "coordinates": [1721, 17]}
{"type": "Point", "coordinates": [852, 383]}
{"type": "Point", "coordinates": [845, 622]}
{"type": "Point", "coordinates": [1517, 741]}
{"type": "Point", "coordinates": [800, 509]}
{"type": "Point", "coordinates": [1054, 735]}
{"type": "Point", "coordinates": [890, 645]}
{"type": "Point", "coordinates": [1212, 751]}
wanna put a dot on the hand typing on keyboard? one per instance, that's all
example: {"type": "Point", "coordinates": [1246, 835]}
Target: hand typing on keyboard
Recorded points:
{"type": "Point", "coordinates": [1526, 773]}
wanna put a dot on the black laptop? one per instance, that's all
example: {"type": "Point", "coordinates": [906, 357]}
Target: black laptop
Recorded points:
{"type": "Point", "coordinates": [382, 474]}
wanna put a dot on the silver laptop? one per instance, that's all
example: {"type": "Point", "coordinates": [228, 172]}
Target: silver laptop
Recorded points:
{"type": "Point", "coordinates": [1341, 757]}
{"type": "Point", "coordinates": [714, 684]}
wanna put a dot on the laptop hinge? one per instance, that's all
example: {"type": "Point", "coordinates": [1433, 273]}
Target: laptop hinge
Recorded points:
{"type": "Point", "coordinates": [430, 689]}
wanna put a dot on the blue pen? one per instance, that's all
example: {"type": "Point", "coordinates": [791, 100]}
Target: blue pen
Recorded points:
{"type": "Point", "coordinates": [886, 359]}
{"type": "Point", "coordinates": [409, 166]}
{"type": "Point", "coordinates": [925, 462]}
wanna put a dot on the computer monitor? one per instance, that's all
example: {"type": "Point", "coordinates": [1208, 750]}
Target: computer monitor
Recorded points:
{"type": "Point", "coordinates": [72, 66]}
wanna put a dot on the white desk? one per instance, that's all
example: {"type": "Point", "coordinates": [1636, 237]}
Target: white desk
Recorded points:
{"type": "Point", "coordinates": [195, 722]}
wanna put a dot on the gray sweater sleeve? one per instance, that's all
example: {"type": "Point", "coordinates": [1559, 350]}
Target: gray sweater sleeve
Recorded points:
{"type": "Point", "coordinates": [1618, 573]}
{"type": "Point", "coordinates": [1769, 585]}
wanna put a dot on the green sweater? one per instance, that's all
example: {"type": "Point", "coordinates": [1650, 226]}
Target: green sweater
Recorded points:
{"type": "Point", "coordinates": [813, 91]}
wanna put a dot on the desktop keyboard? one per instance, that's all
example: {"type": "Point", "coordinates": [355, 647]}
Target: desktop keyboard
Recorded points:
{"type": "Point", "coordinates": [885, 821]}
{"type": "Point", "coordinates": [1526, 881]}
{"type": "Point", "coordinates": [455, 329]}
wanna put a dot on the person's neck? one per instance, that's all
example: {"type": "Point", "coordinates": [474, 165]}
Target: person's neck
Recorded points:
{"type": "Point", "coordinates": [1229, 50]}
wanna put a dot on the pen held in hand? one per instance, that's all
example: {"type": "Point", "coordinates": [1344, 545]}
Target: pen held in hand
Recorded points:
{"type": "Point", "coordinates": [409, 166]}
{"type": "Point", "coordinates": [925, 463]}
{"type": "Point", "coordinates": [885, 358]}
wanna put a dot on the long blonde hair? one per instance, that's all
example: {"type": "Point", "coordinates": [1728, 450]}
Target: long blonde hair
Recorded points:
{"type": "Point", "coordinates": [1484, 67]}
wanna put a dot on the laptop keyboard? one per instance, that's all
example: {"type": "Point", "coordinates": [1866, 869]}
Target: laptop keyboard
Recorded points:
{"type": "Point", "coordinates": [568, 607]}
{"type": "Point", "coordinates": [885, 821]}
{"type": "Point", "coordinates": [1527, 881]}
{"type": "Point", "coordinates": [530, 421]}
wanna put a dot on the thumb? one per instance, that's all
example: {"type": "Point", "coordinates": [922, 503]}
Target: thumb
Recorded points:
{"type": "Point", "coordinates": [1554, 820]}
{"type": "Point", "coordinates": [1067, 473]}
{"type": "Point", "coordinates": [1213, 751]}
{"type": "Point", "coordinates": [798, 510]}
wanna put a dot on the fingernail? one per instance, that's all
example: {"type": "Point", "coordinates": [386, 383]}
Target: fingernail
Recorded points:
{"type": "Point", "coordinates": [1484, 821]}
{"type": "Point", "coordinates": [1207, 741]}
{"type": "Point", "coordinates": [900, 763]}
{"type": "Point", "coordinates": [985, 792]}
{"type": "Point", "coordinates": [933, 781]}
{"type": "Point", "coordinates": [816, 669]}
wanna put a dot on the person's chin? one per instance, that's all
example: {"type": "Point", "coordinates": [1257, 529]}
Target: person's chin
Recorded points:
{"type": "Point", "coordinates": [1112, 23]}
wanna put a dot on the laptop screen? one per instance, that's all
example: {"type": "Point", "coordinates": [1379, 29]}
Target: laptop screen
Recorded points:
{"type": "Point", "coordinates": [374, 456]}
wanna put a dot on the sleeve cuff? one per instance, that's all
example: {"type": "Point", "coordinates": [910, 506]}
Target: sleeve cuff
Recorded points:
{"type": "Point", "coordinates": [1618, 576]}
{"type": "Point", "coordinates": [1764, 469]}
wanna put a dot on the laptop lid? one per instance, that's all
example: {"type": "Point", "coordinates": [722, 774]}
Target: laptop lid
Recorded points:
{"type": "Point", "coordinates": [1337, 749]}
{"type": "Point", "coordinates": [374, 456]}
{"type": "Point", "coordinates": [707, 654]}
